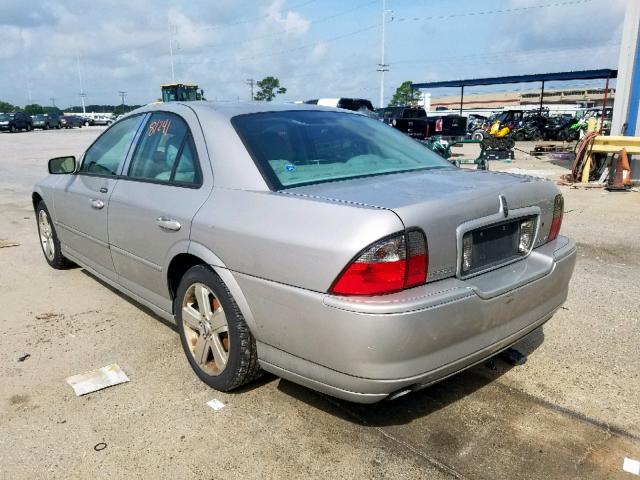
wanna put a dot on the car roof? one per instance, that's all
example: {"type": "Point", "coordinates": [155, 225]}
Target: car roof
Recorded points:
{"type": "Point", "coordinates": [230, 110]}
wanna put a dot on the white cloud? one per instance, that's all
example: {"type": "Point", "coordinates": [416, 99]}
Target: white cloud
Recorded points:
{"type": "Point", "coordinates": [125, 46]}
{"type": "Point", "coordinates": [290, 21]}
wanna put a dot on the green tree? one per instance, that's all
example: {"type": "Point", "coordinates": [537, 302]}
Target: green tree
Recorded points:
{"type": "Point", "coordinates": [6, 107]}
{"type": "Point", "coordinates": [33, 109]}
{"type": "Point", "coordinates": [268, 87]}
{"type": "Point", "coordinates": [405, 95]}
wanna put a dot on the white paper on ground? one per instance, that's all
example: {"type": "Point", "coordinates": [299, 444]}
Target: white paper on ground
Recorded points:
{"type": "Point", "coordinates": [215, 404]}
{"type": "Point", "coordinates": [631, 466]}
{"type": "Point", "coordinates": [97, 379]}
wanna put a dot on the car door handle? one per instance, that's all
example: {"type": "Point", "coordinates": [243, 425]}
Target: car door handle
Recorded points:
{"type": "Point", "coordinates": [97, 204]}
{"type": "Point", "coordinates": [168, 224]}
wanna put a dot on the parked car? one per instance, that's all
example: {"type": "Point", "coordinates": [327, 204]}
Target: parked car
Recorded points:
{"type": "Point", "coordinates": [46, 122]}
{"type": "Point", "coordinates": [70, 121]}
{"type": "Point", "coordinates": [323, 246]}
{"type": "Point", "coordinates": [15, 121]}
{"type": "Point", "coordinates": [102, 121]}
{"type": "Point", "coordinates": [415, 122]}
{"type": "Point", "coordinates": [361, 105]}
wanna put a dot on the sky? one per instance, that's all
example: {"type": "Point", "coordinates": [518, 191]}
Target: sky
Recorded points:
{"type": "Point", "coordinates": [317, 48]}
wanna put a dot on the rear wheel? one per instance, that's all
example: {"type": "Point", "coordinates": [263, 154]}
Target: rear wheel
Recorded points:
{"type": "Point", "coordinates": [12, 129]}
{"type": "Point", "coordinates": [478, 135]}
{"type": "Point", "coordinates": [215, 338]}
{"type": "Point", "coordinates": [49, 239]}
{"type": "Point", "coordinates": [29, 127]}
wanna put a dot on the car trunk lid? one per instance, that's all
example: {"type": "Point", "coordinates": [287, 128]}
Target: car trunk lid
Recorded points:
{"type": "Point", "coordinates": [440, 200]}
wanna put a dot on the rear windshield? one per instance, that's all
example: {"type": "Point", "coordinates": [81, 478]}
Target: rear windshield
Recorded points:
{"type": "Point", "coordinates": [414, 113]}
{"type": "Point", "coordinates": [305, 147]}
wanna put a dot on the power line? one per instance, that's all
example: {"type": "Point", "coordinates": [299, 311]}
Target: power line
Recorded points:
{"type": "Point", "coordinates": [495, 12]}
{"type": "Point", "coordinates": [301, 47]}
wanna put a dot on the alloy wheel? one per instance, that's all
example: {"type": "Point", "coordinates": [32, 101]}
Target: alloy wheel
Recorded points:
{"type": "Point", "coordinates": [46, 235]}
{"type": "Point", "coordinates": [206, 329]}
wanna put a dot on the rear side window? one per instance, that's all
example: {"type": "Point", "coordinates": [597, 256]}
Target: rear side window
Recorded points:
{"type": "Point", "coordinates": [294, 148]}
{"type": "Point", "coordinates": [106, 154]}
{"type": "Point", "coordinates": [165, 152]}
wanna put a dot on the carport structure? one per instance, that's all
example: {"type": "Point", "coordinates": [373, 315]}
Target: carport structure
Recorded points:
{"type": "Point", "coordinates": [606, 74]}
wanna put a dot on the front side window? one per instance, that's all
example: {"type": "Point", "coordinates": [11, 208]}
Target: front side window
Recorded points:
{"type": "Point", "coordinates": [165, 152]}
{"type": "Point", "coordinates": [305, 147]}
{"type": "Point", "coordinates": [109, 151]}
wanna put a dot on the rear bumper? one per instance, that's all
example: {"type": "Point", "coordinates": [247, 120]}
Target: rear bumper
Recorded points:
{"type": "Point", "coordinates": [363, 349]}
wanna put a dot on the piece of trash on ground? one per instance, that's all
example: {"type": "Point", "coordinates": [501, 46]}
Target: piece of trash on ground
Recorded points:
{"type": "Point", "coordinates": [24, 357]}
{"type": "Point", "coordinates": [632, 466]}
{"type": "Point", "coordinates": [99, 446]}
{"type": "Point", "coordinates": [215, 404]}
{"type": "Point", "coordinates": [97, 379]}
{"type": "Point", "coordinates": [7, 243]}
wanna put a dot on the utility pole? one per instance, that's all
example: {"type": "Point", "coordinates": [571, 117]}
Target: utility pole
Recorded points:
{"type": "Point", "coordinates": [173, 73]}
{"type": "Point", "coordinates": [26, 68]}
{"type": "Point", "coordinates": [122, 95]}
{"type": "Point", "coordinates": [250, 82]}
{"type": "Point", "coordinates": [53, 101]}
{"type": "Point", "coordinates": [82, 97]}
{"type": "Point", "coordinates": [29, 96]}
{"type": "Point", "coordinates": [82, 94]}
{"type": "Point", "coordinates": [383, 67]}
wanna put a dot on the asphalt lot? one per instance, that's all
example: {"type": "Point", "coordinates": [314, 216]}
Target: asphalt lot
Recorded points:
{"type": "Point", "coordinates": [572, 411]}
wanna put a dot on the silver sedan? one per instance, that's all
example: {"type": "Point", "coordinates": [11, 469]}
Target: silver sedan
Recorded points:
{"type": "Point", "coordinates": [314, 243]}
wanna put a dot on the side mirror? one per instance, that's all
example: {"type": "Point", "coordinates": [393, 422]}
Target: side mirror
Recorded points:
{"type": "Point", "coordinates": [62, 165]}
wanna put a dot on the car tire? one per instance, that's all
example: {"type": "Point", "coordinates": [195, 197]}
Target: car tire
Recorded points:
{"type": "Point", "coordinates": [46, 126]}
{"type": "Point", "coordinates": [478, 135]}
{"type": "Point", "coordinates": [58, 126]}
{"type": "Point", "coordinates": [49, 239]}
{"type": "Point", "coordinates": [209, 334]}
{"type": "Point", "coordinates": [29, 127]}
{"type": "Point", "coordinates": [12, 129]}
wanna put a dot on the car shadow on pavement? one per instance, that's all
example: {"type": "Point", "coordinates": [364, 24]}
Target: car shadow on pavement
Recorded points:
{"type": "Point", "coordinates": [418, 404]}
{"type": "Point", "coordinates": [130, 300]}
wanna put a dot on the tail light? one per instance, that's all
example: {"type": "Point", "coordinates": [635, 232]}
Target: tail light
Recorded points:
{"type": "Point", "coordinates": [439, 125]}
{"type": "Point", "coordinates": [389, 265]}
{"type": "Point", "coordinates": [556, 223]}
{"type": "Point", "coordinates": [426, 130]}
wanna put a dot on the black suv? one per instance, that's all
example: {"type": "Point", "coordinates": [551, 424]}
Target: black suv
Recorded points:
{"type": "Point", "coordinates": [15, 121]}
{"type": "Point", "coordinates": [46, 121]}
